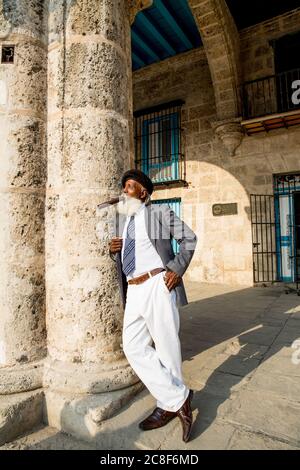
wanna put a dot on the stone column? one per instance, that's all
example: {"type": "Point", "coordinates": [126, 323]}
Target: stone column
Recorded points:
{"type": "Point", "coordinates": [23, 94]}
{"type": "Point", "coordinates": [22, 199]}
{"type": "Point", "coordinates": [89, 82]}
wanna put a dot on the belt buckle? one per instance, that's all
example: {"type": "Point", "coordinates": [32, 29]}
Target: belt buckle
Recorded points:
{"type": "Point", "coordinates": [149, 274]}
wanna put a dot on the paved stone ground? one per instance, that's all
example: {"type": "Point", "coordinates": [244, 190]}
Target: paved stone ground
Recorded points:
{"type": "Point", "coordinates": [237, 352]}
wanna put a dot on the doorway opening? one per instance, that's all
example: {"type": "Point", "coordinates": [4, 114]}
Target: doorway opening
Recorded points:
{"type": "Point", "coordinates": [276, 233]}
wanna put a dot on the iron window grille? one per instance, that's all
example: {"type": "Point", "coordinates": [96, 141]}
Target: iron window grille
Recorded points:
{"type": "Point", "coordinates": [158, 143]}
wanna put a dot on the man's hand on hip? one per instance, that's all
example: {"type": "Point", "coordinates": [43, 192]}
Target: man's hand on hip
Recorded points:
{"type": "Point", "coordinates": [172, 279]}
{"type": "Point", "coordinates": [115, 245]}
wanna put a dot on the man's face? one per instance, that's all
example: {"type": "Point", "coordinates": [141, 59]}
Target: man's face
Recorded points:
{"type": "Point", "coordinates": [134, 189]}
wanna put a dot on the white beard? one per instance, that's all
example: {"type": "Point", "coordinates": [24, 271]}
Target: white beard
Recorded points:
{"type": "Point", "coordinates": [129, 206]}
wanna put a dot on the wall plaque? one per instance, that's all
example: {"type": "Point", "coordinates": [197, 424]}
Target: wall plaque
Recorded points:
{"type": "Point", "coordinates": [225, 209]}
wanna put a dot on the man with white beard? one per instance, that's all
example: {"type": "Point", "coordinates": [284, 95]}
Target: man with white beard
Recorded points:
{"type": "Point", "coordinates": [150, 278]}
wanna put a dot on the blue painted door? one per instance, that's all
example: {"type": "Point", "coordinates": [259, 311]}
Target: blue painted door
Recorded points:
{"type": "Point", "coordinates": [285, 226]}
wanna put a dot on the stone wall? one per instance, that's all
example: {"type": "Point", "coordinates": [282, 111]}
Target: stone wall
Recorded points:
{"type": "Point", "coordinates": [257, 54]}
{"type": "Point", "coordinates": [224, 251]}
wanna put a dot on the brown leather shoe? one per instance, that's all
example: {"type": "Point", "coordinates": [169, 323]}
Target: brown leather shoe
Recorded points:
{"type": "Point", "coordinates": [185, 415]}
{"type": "Point", "coordinates": [157, 419]}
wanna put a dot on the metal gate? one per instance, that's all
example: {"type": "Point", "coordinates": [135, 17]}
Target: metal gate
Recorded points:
{"type": "Point", "coordinates": [276, 233]}
{"type": "Point", "coordinates": [265, 254]}
{"type": "Point", "coordinates": [287, 210]}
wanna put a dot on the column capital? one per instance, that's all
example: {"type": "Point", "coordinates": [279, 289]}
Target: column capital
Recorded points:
{"type": "Point", "coordinates": [137, 5]}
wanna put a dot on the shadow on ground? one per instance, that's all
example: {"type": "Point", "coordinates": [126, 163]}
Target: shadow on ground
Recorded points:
{"type": "Point", "coordinates": [236, 346]}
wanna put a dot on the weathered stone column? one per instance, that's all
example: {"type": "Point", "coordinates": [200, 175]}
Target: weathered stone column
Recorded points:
{"type": "Point", "coordinates": [23, 92]}
{"type": "Point", "coordinates": [89, 80]}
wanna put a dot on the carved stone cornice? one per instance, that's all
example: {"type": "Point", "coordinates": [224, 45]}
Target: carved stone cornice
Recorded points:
{"type": "Point", "coordinates": [230, 133]}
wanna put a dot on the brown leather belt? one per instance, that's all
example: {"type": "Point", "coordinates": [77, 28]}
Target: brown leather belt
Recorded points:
{"type": "Point", "coordinates": [144, 277]}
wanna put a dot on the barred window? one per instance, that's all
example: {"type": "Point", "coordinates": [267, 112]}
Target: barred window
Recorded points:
{"type": "Point", "coordinates": [158, 142]}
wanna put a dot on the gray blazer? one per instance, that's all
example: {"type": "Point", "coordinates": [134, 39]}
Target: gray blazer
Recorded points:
{"type": "Point", "coordinates": [162, 224]}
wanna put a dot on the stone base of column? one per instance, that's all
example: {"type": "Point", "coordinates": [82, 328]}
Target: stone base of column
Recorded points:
{"type": "Point", "coordinates": [88, 378]}
{"type": "Point", "coordinates": [20, 413]}
{"type": "Point", "coordinates": [82, 415]}
{"type": "Point", "coordinates": [21, 378]}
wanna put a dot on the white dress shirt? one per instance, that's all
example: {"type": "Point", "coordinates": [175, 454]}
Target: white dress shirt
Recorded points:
{"type": "Point", "coordinates": [146, 256]}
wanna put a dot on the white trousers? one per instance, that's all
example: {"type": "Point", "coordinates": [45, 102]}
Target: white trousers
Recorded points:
{"type": "Point", "coordinates": [151, 314]}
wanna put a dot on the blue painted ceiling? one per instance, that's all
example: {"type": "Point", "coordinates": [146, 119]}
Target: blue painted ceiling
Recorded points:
{"type": "Point", "coordinates": [168, 27]}
{"type": "Point", "coordinates": [163, 30]}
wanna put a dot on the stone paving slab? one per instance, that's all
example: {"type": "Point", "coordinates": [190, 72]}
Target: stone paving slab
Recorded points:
{"type": "Point", "coordinates": [267, 414]}
{"type": "Point", "coordinates": [250, 441]}
{"type": "Point", "coordinates": [288, 334]}
{"type": "Point", "coordinates": [217, 383]}
{"type": "Point", "coordinates": [279, 361]}
{"type": "Point", "coordinates": [236, 365]}
{"type": "Point", "coordinates": [19, 413]}
{"type": "Point", "coordinates": [263, 335]}
{"type": "Point", "coordinates": [122, 429]}
{"type": "Point", "coordinates": [282, 386]}
{"type": "Point", "coordinates": [47, 438]}
{"type": "Point", "coordinates": [214, 436]}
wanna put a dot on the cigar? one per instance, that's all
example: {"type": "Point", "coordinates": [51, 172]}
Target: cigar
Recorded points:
{"type": "Point", "coordinates": [110, 202]}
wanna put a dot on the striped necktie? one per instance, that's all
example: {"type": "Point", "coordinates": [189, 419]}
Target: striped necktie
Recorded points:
{"type": "Point", "coordinates": [129, 248]}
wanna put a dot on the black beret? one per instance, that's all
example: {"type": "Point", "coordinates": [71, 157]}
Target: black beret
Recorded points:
{"type": "Point", "coordinates": [140, 177]}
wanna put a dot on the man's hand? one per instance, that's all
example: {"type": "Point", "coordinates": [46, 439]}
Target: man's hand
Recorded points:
{"type": "Point", "coordinates": [172, 279]}
{"type": "Point", "coordinates": [115, 245]}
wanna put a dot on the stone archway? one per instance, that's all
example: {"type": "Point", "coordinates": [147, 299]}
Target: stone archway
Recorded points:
{"type": "Point", "coordinates": [221, 43]}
